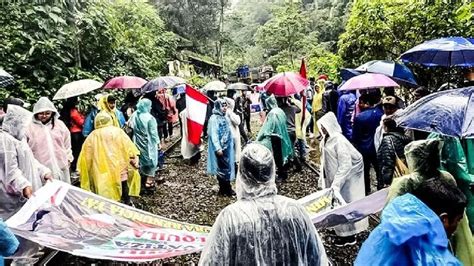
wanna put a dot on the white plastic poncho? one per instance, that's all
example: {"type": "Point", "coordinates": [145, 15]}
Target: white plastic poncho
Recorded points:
{"type": "Point", "coordinates": [342, 169]}
{"type": "Point", "coordinates": [234, 127]}
{"type": "Point", "coordinates": [50, 142]}
{"type": "Point", "coordinates": [18, 167]}
{"type": "Point", "coordinates": [262, 228]}
{"type": "Point", "coordinates": [188, 150]}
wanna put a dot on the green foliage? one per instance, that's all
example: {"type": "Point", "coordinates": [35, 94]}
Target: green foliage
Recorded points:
{"type": "Point", "coordinates": [382, 29]}
{"type": "Point", "coordinates": [322, 61]}
{"type": "Point", "coordinates": [47, 45]}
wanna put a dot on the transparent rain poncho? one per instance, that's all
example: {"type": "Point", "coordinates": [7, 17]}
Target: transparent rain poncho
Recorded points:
{"type": "Point", "coordinates": [262, 228]}
{"type": "Point", "coordinates": [423, 160]}
{"type": "Point", "coordinates": [145, 136]}
{"type": "Point", "coordinates": [105, 154]}
{"type": "Point", "coordinates": [18, 168]}
{"type": "Point", "coordinates": [51, 142]}
{"type": "Point", "coordinates": [275, 126]}
{"type": "Point", "coordinates": [342, 169]}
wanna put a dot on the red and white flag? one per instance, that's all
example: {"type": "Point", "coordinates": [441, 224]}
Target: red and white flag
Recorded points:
{"type": "Point", "coordinates": [196, 104]}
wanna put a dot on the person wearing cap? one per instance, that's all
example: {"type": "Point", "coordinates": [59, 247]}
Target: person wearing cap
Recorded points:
{"type": "Point", "coordinates": [50, 139]}
{"type": "Point", "coordinates": [390, 92]}
{"type": "Point", "coordinates": [262, 228]}
{"type": "Point", "coordinates": [390, 107]}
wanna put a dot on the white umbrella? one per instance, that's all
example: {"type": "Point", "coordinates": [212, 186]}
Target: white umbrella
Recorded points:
{"type": "Point", "coordinates": [76, 88]}
{"type": "Point", "coordinates": [215, 86]}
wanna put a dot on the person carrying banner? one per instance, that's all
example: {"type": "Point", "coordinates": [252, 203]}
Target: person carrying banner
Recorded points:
{"type": "Point", "coordinates": [274, 135]}
{"type": "Point", "coordinates": [220, 161]}
{"type": "Point", "coordinates": [342, 168]}
{"type": "Point", "coordinates": [415, 228]}
{"type": "Point", "coordinates": [20, 173]}
{"type": "Point", "coordinates": [262, 228]}
{"type": "Point", "coordinates": [50, 139]}
{"type": "Point", "coordinates": [145, 137]}
{"type": "Point", "coordinates": [104, 161]}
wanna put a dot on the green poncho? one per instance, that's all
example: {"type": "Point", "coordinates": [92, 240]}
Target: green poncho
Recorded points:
{"type": "Point", "coordinates": [275, 126]}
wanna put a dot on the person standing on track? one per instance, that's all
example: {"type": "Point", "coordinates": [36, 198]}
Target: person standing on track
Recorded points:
{"type": "Point", "coordinates": [220, 161]}
{"type": "Point", "coordinates": [342, 169]}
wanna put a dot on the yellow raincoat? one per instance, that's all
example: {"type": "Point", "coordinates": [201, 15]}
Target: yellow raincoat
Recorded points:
{"type": "Point", "coordinates": [103, 106]}
{"type": "Point", "coordinates": [104, 155]}
{"type": "Point", "coordinates": [318, 103]}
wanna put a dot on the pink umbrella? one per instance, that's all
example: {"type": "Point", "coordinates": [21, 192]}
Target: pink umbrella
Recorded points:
{"type": "Point", "coordinates": [368, 81]}
{"type": "Point", "coordinates": [124, 82]}
{"type": "Point", "coordinates": [285, 84]}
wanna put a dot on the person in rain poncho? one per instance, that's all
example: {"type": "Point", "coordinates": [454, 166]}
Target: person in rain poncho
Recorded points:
{"type": "Point", "coordinates": [301, 129]}
{"type": "Point", "coordinates": [108, 104]}
{"type": "Point", "coordinates": [345, 109]}
{"type": "Point", "coordinates": [423, 161]}
{"type": "Point", "coordinates": [104, 160]}
{"type": "Point", "coordinates": [454, 160]}
{"type": "Point", "coordinates": [262, 228]}
{"type": "Point", "coordinates": [415, 228]}
{"type": "Point", "coordinates": [274, 135]}
{"type": "Point", "coordinates": [20, 173]}
{"type": "Point", "coordinates": [235, 121]}
{"type": "Point", "coordinates": [8, 242]}
{"type": "Point", "coordinates": [342, 169]}
{"type": "Point", "coordinates": [189, 151]}
{"type": "Point", "coordinates": [145, 136]}
{"type": "Point", "coordinates": [220, 161]}
{"type": "Point", "coordinates": [50, 139]}
{"type": "Point", "coordinates": [317, 107]}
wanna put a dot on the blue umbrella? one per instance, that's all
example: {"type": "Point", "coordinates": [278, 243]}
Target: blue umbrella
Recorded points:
{"type": "Point", "coordinates": [448, 112]}
{"type": "Point", "coordinates": [348, 73]}
{"type": "Point", "coordinates": [398, 72]}
{"type": "Point", "coordinates": [447, 52]}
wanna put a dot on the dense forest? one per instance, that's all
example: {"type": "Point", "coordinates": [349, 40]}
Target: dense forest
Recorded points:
{"type": "Point", "coordinates": [46, 45]}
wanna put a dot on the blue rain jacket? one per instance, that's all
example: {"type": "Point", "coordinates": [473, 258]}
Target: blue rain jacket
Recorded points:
{"type": "Point", "coordinates": [363, 132]}
{"type": "Point", "coordinates": [8, 242]}
{"type": "Point", "coordinates": [145, 136]}
{"type": "Point", "coordinates": [220, 138]}
{"type": "Point", "coordinates": [345, 109]}
{"type": "Point", "coordinates": [89, 122]}
{"type": "Point", "coordinates": [410, 233]}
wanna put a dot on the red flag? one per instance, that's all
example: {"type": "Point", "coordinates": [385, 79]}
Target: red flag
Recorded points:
{"type": "Point", "coordinates": [303, 93]}
{"type": "Point", "coordinates": [196, 104]}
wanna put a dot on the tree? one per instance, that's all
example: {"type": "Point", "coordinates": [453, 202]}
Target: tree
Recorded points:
{"type": "Point", "coordinates": [47, 45]}
{"type": "Point", "coordinates": [284, 33]}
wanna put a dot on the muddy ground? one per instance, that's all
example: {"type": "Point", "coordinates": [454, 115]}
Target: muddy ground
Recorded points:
{"type": "Point", "coordinates": [189, 194]}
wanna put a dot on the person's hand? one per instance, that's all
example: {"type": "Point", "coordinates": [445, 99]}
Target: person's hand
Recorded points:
{"type": "Point", "coordinates": [219, 153]}
{"type": "Point", "coordinates": [134, 162]}
{"type": "Point", "coordinates": [27, 192]}
{"type": "Point", "coordinates": [48, 176]}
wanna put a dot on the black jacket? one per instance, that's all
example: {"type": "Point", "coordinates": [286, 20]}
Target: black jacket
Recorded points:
{"type": "Point", "coordinates": [330, 100]}
{"type": "Point", "coordinates": [391, 142]}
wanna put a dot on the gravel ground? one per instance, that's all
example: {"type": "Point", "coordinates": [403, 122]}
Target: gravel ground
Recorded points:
{"type": "Point", "coordinates": [189, 194]}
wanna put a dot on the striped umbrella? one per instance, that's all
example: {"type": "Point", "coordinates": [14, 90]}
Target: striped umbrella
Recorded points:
{"type": "Point", "coordinates": [6, 79]}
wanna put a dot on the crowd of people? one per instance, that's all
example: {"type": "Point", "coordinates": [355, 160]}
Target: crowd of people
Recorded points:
{"type": "Point", "coordinates": [116, 153]}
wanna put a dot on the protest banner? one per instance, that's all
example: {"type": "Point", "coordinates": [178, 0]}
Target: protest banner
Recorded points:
{"type": "Point", "coordinates": [69, 219]}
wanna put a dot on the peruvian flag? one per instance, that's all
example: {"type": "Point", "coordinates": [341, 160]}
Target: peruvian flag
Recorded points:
{"type": "Point", "coordinates": [196, 104]}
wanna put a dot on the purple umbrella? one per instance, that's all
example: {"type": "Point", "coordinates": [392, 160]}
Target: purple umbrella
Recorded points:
{"type": "Point", "coordinates": [368, 81]}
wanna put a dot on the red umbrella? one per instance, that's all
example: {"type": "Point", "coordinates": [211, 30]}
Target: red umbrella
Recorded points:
{"type": "Point", "coordinates": [124, 82]}
{"type": "Point", "coordinates": [285, 84]}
